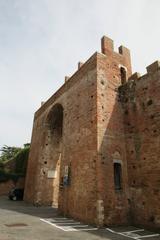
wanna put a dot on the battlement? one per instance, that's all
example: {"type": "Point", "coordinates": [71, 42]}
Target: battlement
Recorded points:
{"type": "Point", "coordinates": [107, 48]}
{"type": "Point", "coordinates": [104, 119]}
{"type": "Point", "coordinates": [66, 78]}
{"type": "Point", "coordinates": [80, 65]}
{"type": "Point", "coordinates": [151, 69]}
{"type": "Point", "coordinates": [135, 76]}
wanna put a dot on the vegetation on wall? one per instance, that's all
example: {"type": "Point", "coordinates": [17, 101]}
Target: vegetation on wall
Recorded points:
{"type": "Point", "coordinates": [13, 162]}
{"type": "Point", "coordinates": [7, 153]}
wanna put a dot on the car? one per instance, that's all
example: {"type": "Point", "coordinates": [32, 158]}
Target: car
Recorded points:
{"type": "Point", "coordinates": [16, 194]}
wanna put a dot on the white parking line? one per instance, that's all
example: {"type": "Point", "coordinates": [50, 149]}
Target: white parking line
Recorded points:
{"type": "Point", "coordinates": [133, 231]}
{"type": "Point", "coordinates": [43, 220]}
{"type": "Point", "coordinates": [153, 235]}
{"type": "Point", "coordinates": [87, 229]}
{"type": "Point", "coordinates": [62, 221]}
{"type": "Point", "coordinates": [133, 234]}
{"type": "Point", "coordinates": [110, 230]}
{"type": "Point", "coordinates": [68, 225]}
{"type": "Point", "coordinates": [79, 226]}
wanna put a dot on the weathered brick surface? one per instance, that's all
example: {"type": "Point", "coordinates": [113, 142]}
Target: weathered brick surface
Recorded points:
{"type": "Point", "coordinates": [5, 187]}
{"type": "Point", "coordinates": [141, 104]}
{"type": "Point", "coordinates": [78, 150]}
{"type": "Point", "coordinates": [111, 137]}
{"type": "Point", "coordinates": [90, 123]}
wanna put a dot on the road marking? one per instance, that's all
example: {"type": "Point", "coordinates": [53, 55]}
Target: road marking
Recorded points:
{"type": "Point", "coordinates": [68, 225]}
{"type": "Point", "coordinates": [43, 220]}
{"type": "Point", "coordinates": [133, 234]}
{"type": "Point", "coordinates": [153, 235]}
{"type": "Point", "coordinates": [79, 226]}
{"type": "Point", "coordinates": [87, 229]}
{"type": "Point", "coordinates": [130, 235]}
{"type": "Point", "coordinates": [110, 230]}
{"type": "Point", "coordinates": [62, 221]}
{"type": "Point", "coordinates": [138, 230]}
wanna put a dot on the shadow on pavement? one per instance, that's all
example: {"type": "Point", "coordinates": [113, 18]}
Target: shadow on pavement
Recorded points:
{"type": "Point", "coordinates": [20, 207]}
{"type": "Point", "coordinates": [26, 208]}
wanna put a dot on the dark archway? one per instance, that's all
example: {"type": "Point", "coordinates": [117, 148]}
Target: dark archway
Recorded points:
{"type": "Point", "coordinates": [55, 144]}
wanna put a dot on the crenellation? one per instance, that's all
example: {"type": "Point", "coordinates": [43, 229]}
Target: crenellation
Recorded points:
{"type": "Point", "coordinates": [107, 48]}
{"type": "Point", "coordinates": [135, 76]}
{"type": "Point", "coordinates": [71, 81]}
{"type": "Point", "coordinates": [95, 143]}
{"type": "Point", "coordinates": [80, 64]}
{"type": "Point", "coordinates": [66, 78]}
{"type": "Point", "coordinates": [124, 51]}
{"type": "Point", "coordinates": [107, 45]}
{"type": "Point", "coordinates": [153, 67]}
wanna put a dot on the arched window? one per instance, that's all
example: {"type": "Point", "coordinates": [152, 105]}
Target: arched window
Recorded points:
{"type": "Point", "coordinates": [123, 75]}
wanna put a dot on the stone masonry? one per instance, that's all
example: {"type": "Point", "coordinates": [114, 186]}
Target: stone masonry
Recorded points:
{"type": "Point", "coordinates": [95, 149]}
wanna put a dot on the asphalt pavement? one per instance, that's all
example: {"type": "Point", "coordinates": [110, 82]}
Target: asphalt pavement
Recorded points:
{"type": "Point", "coordinates": [22, 221]}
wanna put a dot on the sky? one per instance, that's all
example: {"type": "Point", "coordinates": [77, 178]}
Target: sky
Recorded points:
{"type": "Point", "coordinates": [41, 41]}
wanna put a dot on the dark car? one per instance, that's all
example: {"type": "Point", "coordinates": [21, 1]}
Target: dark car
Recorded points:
{"type": "Point", "coordinates": [16, 194]}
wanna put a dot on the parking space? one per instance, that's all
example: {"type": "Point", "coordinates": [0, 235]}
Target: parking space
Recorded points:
{"type": "Point", "coordinates": [21, 221]}
{"type": "Point", "coordinates": [68, 225]}
{"type": "Point", "coordinates": [135, 233]}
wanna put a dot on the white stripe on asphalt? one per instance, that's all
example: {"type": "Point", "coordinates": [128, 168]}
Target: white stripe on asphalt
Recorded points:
{"type": "Point", "coordinates": [152, 235]}
{"type": "Point", "coordinates": [130, 234]}
{"type": "Point", "coordinates": [110, 230]}
{"type": "Point", "coordinates": [135, 236]}
{"type": "Point", "coordinates": [43, 220]}
{"type": "Point", "coordinates": [138, 230]}
{"type": "Point", "coordinates": [69, 228]}
{"type": "Point", "coordinates": [67, 223]}
{"type": "Point", "coordinates": [62, 221]}
{"type": "Point", "coordinates": [77, 226]}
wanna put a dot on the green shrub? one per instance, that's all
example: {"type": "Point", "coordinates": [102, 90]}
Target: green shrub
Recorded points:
{"type": "Point", "coordinates": [4, 177]}
{"type": "Point", "coordinates": [20, 157]}
{"type": "Point", "coordinates": [21, 161]}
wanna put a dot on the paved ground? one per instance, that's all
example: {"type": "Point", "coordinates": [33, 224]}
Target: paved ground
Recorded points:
{"type": "Point", "coordinates": [20, 221]}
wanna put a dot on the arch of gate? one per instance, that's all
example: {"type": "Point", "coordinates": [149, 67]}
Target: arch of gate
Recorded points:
{"type": "Point", "coordinates": [55, 144]}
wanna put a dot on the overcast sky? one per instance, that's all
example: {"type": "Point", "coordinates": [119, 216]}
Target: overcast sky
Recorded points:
{"type": "Point", "coordinates": [41, 41]}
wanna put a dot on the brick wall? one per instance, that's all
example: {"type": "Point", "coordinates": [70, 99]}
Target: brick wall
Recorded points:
{"type": "Point", "coordinates": [107, 119]}
{"type": "Point", "coordinates": [111, 136]}
{"type": "Point", "coordinates": [78, 147]}
{"type": "Point", "coordinates": [7, 186]}
{"type": "Point", "coordinates": [141, 104]}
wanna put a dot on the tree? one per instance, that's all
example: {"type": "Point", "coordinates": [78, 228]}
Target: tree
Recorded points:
{"type": "Point", "coordinates": [21, 159]}
{"type": "Point", "coordinates": [13, 162]}
{"type": "Point", "coordinates": [7, 153]}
